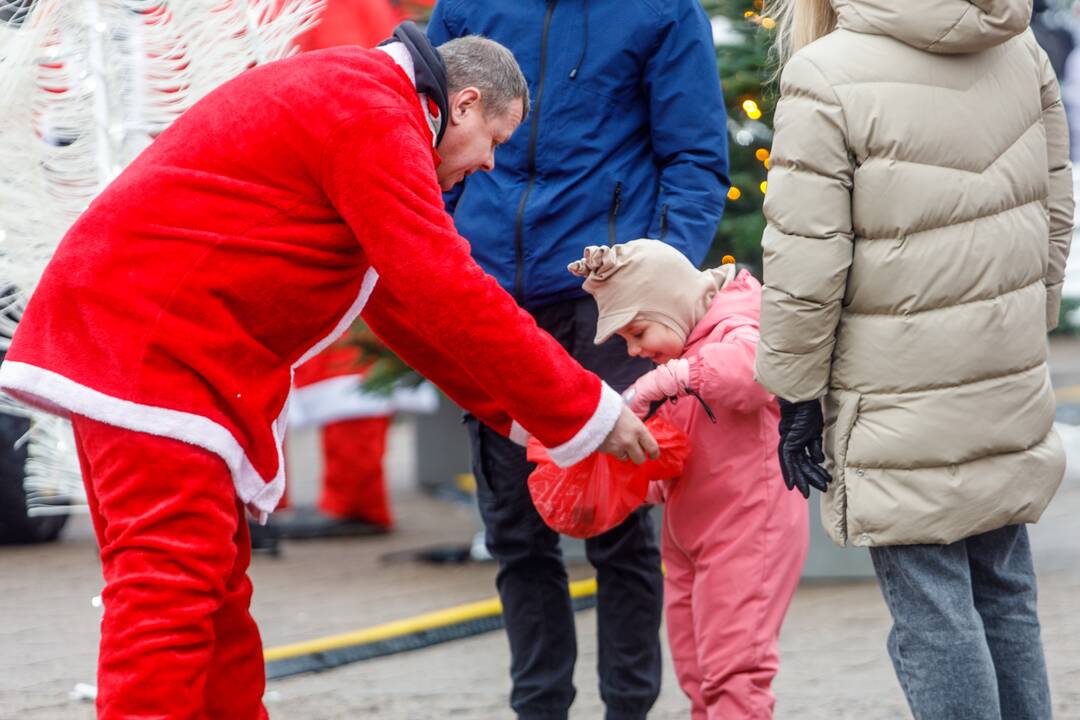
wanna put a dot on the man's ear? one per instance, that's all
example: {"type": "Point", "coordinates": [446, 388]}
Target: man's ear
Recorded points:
{"type": "Point", "coordinates": [463, 102]}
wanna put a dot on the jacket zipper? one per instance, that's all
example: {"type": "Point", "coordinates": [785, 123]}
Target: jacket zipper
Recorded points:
{"type": "Point", "coordinates": [663, 222]}
{"type": "Point", "coordinates": [519, 222]}
{"type": "Point", "coordinates": [616, 200]}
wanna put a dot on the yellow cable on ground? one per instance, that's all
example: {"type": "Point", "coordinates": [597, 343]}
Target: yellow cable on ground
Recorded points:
{"type": "Point", "coordinates": [409, 626]}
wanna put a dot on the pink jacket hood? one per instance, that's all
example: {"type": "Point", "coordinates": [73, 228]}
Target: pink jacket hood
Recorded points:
{"type": "Point", "coordinates": [739, 300]}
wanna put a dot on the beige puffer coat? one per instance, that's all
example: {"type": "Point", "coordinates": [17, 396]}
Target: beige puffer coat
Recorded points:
{"type": "Point", "coordinates": [919, 214]}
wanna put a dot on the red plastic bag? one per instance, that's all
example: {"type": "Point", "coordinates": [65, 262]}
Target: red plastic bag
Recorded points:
{"type": "Point", "coordinates": [598, 493]}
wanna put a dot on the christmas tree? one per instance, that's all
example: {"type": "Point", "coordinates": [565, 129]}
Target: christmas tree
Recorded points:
{"type": "Point", "coordinates": [742, 35]}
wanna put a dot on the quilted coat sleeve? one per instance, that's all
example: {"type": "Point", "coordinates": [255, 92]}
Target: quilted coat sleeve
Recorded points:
{"type": "Point", "coordinates": [808, 237]}
{"type": "Point", "coordinates": [379, 174]}
{"type": "Point", "coordinates": [1060, 201]}
{"type": "Point", "coordinates": [387, 317]}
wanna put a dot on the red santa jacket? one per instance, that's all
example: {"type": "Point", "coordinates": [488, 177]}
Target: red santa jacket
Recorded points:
{"type": "Point", "coordinates": [247, 237]}
{"type": "Point", "coordinates": [330, 387]}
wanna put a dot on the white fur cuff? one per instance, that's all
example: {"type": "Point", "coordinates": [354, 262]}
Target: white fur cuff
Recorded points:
{"type": "Point", "coordinates": [589, 437]}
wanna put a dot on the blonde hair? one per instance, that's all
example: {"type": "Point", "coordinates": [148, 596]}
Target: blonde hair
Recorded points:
{"type": "Point", "coordinates": [798, 23]}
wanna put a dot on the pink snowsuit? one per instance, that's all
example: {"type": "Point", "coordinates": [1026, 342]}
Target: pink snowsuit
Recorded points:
{"type": "Point", "coordinates": [734, 538]}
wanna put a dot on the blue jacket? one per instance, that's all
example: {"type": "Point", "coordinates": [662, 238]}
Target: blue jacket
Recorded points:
{"type": "Point", "coordinates": [627, 137]}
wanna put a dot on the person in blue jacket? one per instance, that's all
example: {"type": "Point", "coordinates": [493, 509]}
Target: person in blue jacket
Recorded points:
{"type": "Point", "coordinates": [627, 139]}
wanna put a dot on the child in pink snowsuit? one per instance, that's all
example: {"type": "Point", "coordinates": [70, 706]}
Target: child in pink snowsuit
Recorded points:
{"type": "Point", "coordinates": [734, 539]}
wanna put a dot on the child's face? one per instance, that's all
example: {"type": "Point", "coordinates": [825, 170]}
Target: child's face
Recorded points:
{"type": "Point", "coordinates": [652, 340]}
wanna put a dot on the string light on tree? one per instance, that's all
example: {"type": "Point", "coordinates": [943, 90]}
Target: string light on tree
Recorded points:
{"type": "Point", "coordinates": [743, 63]}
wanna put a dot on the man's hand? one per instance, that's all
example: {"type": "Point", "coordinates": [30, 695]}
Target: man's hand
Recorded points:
{"type": "Point", "coordinates": [800, 446]}
{"type": "Point", "coordinates": [630, 439]}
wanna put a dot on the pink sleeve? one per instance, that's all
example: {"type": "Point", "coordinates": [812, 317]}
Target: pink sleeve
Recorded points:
{"type": "Point", "coordinates": [380, 176]}
{"type": "Point", "coordinates": [723, 372]}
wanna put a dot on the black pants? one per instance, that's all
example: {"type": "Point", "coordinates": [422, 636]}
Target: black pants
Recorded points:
{"type": "Point", "coordinates": [532, 580]}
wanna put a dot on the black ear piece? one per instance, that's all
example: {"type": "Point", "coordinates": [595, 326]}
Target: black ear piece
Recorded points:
{"type": "Point", "coordinates": [430, 69]}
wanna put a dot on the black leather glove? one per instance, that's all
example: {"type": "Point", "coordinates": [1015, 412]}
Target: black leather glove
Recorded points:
{"type": "Point", "coordinates": [800, 451]}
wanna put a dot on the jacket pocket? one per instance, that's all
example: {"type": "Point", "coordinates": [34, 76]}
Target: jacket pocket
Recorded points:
{"type": "Point", "coordinates": [841, 412]}
{"type": "Point", "coordinates": [613, 212]}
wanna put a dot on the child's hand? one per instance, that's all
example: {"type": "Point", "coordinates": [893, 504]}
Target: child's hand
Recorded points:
{"type": "Point", "coordinates": [672, 379]}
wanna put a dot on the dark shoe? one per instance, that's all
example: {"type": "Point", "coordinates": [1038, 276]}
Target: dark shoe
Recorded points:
{"type": "Point", "coordinates": [307, 523]}
{"type": "Point", "coordinates": [264, 538]}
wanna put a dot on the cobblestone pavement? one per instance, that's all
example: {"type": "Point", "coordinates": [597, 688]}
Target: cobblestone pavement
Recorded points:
{"type": "Point", "coordinates": [833, 661]}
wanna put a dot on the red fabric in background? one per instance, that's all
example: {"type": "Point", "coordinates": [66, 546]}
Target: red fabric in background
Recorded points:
{"type": "Point", "coordinates": [353, 482]}
{"type": "Point", "coordinates": [177, 637]}
{"type": "Point", "coordinates": [361, 22]}
{"type": "Point", "coordinates": [354, 485]}
{"type": "Point", "coordinates": [352, 22]}
{"type": "Point", "coordinates": [598, 493]}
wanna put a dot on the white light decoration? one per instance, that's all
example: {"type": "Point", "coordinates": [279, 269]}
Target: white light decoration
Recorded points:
{"type": "Point", "coordinates": [85, 86]}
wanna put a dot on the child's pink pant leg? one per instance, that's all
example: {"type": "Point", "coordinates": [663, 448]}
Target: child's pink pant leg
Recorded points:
{"type": "Point", "coordinates": [679, 616]}
{"type": "Point", "coordinates": [743, 585]}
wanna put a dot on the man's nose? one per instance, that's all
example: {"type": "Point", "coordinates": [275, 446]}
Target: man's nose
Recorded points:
{"type": "Point", "coordinates": [633, 349]}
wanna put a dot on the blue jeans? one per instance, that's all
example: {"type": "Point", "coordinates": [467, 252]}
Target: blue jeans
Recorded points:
{"type": "Point", "coordinates": [965, 639]}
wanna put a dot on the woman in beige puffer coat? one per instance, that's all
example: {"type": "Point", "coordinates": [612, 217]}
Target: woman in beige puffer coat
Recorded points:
{"type": "Point", "coordinates": [919, 212]}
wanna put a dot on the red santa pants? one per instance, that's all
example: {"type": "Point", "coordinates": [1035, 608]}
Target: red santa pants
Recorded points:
{"type": "Point", "coordinates": [353, 482]}
{"type": "Point", "coordinates": [177, 639]}
{"type": "Point", "coordinates": [354, 485]}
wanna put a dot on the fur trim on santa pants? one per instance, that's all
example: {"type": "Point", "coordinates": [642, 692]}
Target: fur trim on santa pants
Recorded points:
{"type": "Point", "coordinates": [177, 638]}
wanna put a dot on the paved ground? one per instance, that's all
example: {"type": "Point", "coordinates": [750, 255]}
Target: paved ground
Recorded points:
{"type": "Point", "coordinates": [833, 660]}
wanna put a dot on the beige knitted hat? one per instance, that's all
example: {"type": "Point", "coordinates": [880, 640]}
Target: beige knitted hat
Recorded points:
{"type": "Point", "coordinates": [651, 280]}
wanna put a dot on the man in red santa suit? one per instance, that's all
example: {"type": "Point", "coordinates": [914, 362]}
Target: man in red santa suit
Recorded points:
{"type": "Point", "coordinates": [251, 233]}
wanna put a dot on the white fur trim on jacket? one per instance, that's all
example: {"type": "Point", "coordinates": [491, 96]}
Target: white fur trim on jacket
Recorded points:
{"type": "Point", "coordinates": [367, 286]}
{"type": "Point", "coordinates": [519, 434]}
{"type": "Point", "coordinates": [589, 437]}
{"type": "Point", "coordinates": [400, 55]}
{"type": "Point", "coordinates": [344, 398]}
{"type": "Point", "coordinates": [57, 394]}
